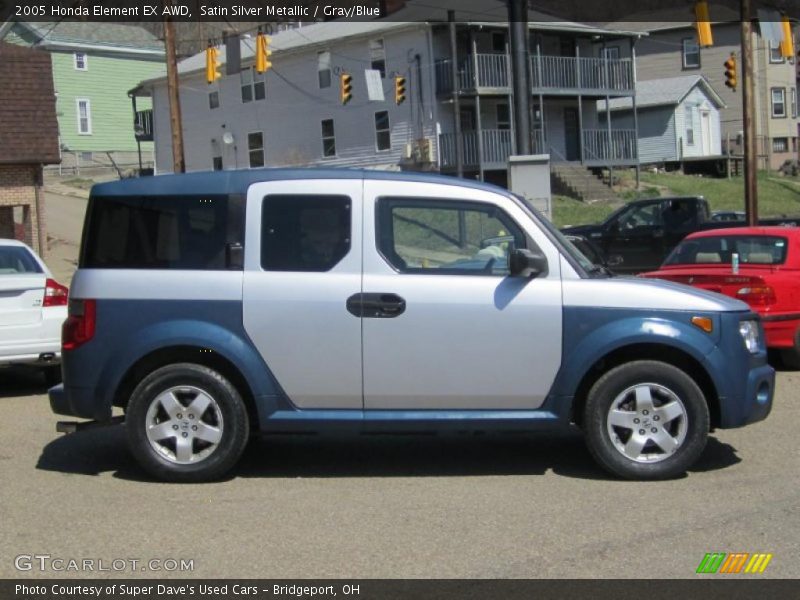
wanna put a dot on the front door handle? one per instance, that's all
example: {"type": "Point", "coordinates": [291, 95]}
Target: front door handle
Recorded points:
{"type": "Point", "coordinates": [376, 306]}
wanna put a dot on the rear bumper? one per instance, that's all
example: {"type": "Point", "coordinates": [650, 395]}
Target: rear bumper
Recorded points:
{"type": "Point", "coordinates": [782, 331]}
{"type": "Point", "coordinates": [77, 402]}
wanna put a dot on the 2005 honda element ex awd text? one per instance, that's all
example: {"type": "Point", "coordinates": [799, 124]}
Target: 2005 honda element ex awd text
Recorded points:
{"type": "Point", "coordinates": [214, 306]}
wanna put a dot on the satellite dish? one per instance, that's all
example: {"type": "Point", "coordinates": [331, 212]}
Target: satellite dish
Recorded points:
{"type": "Point", "coordinates": [227, 138]}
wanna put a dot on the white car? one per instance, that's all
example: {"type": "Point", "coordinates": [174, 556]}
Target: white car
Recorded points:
{"type": "Point", "coordinates": [33, 306]}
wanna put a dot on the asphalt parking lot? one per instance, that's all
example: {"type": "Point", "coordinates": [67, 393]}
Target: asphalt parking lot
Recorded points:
{"type": "Point", "coordinates": [412, 506]}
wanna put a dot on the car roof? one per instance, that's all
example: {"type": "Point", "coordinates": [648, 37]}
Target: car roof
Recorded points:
{"type": "Point", "coordinates": [764, 230]}
{"type": "Point", "coordinates": [237, 182]}
{"type": "Point", "coordinates": [11, 242]}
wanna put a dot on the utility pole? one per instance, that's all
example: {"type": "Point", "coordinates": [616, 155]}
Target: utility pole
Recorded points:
{"type": "Point", "coordinates": [518, 38]}
{"type": "Point", "coordinates": [178, 162]}
{"type": "Point", "coordinates": [748, 122]}
{"type": "Point", "coordinates": [451, 20]}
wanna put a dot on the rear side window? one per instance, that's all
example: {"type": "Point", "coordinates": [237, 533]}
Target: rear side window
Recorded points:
{"type": "Point", "coordinates": [16, 259]}
{"type": "Point", "coordinates": [158, 232]}
{"type": "Point", "coordinates": [304, 232]}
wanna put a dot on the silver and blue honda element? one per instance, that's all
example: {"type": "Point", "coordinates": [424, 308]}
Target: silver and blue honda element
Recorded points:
{"type": "Point", "coordinates": [211, 307]}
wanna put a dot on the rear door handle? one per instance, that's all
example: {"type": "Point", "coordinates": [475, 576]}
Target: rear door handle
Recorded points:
{"type": "Point", "coordinates": [376, 306]}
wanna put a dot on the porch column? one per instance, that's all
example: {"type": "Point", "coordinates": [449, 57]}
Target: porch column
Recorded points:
{"type": "Point", "coordinates": [608, 117]}
{"type": "Point", "coordinates": [580, 97]}
{"type": "Point", "coordinates": [510, 97]}
{"type": "Point", "coordinates": [541, 96]}
{"type": "Point", "coordinates": [635, 113]}
{"type": "Point", "coordinates": [478, 122]}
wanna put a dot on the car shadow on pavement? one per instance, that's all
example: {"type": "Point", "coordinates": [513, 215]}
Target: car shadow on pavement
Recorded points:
{"type": "Point", "coordinates": [21, 381]}
{"type": "Point", "coordinates": [101, 450]}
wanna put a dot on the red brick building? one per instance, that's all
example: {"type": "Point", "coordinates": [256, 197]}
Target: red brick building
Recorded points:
{"type": "Point", "coordinates": [28, 140]}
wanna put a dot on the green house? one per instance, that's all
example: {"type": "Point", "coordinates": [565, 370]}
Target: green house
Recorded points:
{"type": "Point", "coordinates": [94, 66]}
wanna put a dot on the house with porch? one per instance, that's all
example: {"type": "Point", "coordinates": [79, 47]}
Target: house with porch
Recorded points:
{"type": "Point", "coordinates": [292, 115]}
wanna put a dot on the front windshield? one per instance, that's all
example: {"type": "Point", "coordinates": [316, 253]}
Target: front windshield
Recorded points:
{"type": "Point", "coordinates": [568, 246]}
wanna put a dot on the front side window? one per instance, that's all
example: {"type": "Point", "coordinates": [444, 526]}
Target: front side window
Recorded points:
{"type": "Point", "coordinates": [691, 53]}
{"type": "Point", "coordinates": [648, 215]}
{"type": "Point", "coordinates": [328, 138]}
{"type": "Point", "coordinates": [324, 69]}
{"type": "Point", "coordinates": [84, 116]}
{"type": "Point", "coordinates": [446, 237]}
{"type": "Point", "coordinates": [778, 102]}
{"type": "Point", "coordinates": [81, 62]}
{"type": "Point", "coordinates": [255, 149]}
{"type": "Point", "coordinates": [160, 232]}
{"type": "Point", "coordinates": [304, 233]}
{"type": "Point", "coordinates": [383, 134]}
{"type": "Point", "coordinates": [377, 56]}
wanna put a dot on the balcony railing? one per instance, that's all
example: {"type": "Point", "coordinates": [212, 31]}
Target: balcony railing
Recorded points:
{"type": "Point", "coordinates": [497, 147]}
{"type": "Point", "coordinates": [599, 147]}
{"type": "Point", "coordinates": [551, 74]}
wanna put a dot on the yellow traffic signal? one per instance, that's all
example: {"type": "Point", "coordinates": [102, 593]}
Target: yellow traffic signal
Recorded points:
{"type": "Point", "coordinates": [787, 43]}
{"type": "Point", "coordinates": [399, 90]}
{"type": "Point", "coordinates": [263, 53]}
{"type": "Point", "coordinates": [703, 24]}
{"type": "Point", "coordinates": [212, 64]}
{"type": "Point", "coordinates": [730, 72]}
{"type": "Point", "coordinates": [345, 87]}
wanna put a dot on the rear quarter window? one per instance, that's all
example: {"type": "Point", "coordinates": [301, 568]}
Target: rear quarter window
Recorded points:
{"type": "Point", "coordinates": [158, 232]}
{"type": "Point", "coordinates": [751, 249]}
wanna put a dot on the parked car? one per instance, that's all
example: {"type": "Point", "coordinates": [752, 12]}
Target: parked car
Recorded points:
{"type": "Point", "coordinates": [638, 236]}
{"type": "Point", "coordinates": [767, 277]}
{"type": "Point", "coordinates": [213, 306]}
{"type": "Point", "coordinates": [33, 306]}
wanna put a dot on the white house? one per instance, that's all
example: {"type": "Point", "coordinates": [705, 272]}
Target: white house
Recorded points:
{"type": "Point", "coordinates": [679, 117]}
{"type": "Point", "coordinates": [292, 115]}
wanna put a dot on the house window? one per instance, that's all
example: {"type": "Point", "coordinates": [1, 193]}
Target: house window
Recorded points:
{"type": "Point", "coordinates": [503, 117]}
{"type": "Point", "coordinates": [689, 126]}
{"type": "Point", "coordinates": [775, 55]}
{"type": "Point", "coordinates": [324, 69]}
{"type": "Point", "coordinates": [377, 56]}
{"type": "Point", "coordinates": [253, 86]}
{"type": "Point", "coordinates": [383, 134]}
{"type": "Point", "coordinates": [793, 103]}
{"type": "Point", "coordinates": [779, 102]}
{"type": "Point", "coordinates": [255, 148]}
{"type": "Point", "coordinates": [499, 43]}
{"type": "Point", "coordinates": [216, 163]}
{"type": "Point", "coordinates": [780, 144]}
{"type": "Point", "coordinates": [328, 138]}
{"type": "Point", "coordinates": [691, 54]}
{"type": "Point", "coordinates": [611, 52]}
{"type": "Point", "coordinates": [81, 62]}
{"type": "Point", "coordinates": [84, 116]}
{"type": "Point", "coordinates": [213, 100]}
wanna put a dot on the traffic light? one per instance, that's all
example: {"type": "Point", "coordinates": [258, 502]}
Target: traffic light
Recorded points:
{"type": "Point", "coordinates": [787, 43]}
{"type": "Point", "coordinates": [399, 90]}
{"type": "Point", "coordinates": [212, 64]}
{"type": "Point", "coordinates": [703, 25]}
{"type": "Point", "coordinates": [263, 53]}
{"type": "Point", "coordinates": [730, 72]}
{"type": "Point", "coordinates": [345, 87]}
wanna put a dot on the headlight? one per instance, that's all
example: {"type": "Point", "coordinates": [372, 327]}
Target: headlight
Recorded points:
{"type": "Point", "coordinates": [749, 331]}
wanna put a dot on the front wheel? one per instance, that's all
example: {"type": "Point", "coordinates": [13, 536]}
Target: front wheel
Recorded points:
{"type": "Point", "coordinates": [186, 422]}
{"type": "Point", "coordinates": [646, 420]}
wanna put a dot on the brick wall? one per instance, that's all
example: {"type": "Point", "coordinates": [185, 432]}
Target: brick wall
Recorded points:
{"type": "Point", "coordinates": [18, 188]}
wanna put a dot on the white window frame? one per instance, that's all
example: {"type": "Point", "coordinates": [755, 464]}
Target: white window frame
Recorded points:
{"type": "Point", "coordinates": [88, 102]}
{"type": "Point", "coordinates": [324, 65]}
{"type": "Point", "coordinates": [255, 78]}
{"type": "Point", "coordinates": [251, 150]}
{"type": "Point", "coordinates": [377, 131]}
{"type": "Point", "coordinates": [773, 48]}
{"type": "Point", "coordinates": [688, 124]}
{"type": "Point", "coordinates": [324, 137]}
{"type": "Point", "coordinates": [85, 60]}
{"type": "Point", "coordinates": [785, 145]}
{"type": "Point", "coordinates": [377, 54]}
{"type": "Point", "coordinates": [782, 102]}
{"type": "Point", "coordinates": [684, 44]}
{"type": "Point", "coordinates": [793, 101]}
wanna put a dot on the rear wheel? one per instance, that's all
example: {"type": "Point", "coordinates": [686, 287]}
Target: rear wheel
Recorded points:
{"type": "Point", "coordinates": [646, 420]}
{"type": "Point", "coordinates": [186, 422]}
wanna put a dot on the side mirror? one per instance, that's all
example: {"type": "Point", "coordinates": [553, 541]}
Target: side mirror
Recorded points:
{"type": "Point", "coordinates": [526, 263]}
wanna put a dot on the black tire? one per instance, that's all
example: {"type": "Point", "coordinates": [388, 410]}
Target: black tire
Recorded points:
{"type": "Point", "coordinates": [52, 375]}
{"type": "Point", "coordinates": [619, 388]}
{"type": "Point", "coordinates": [226, 415]}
